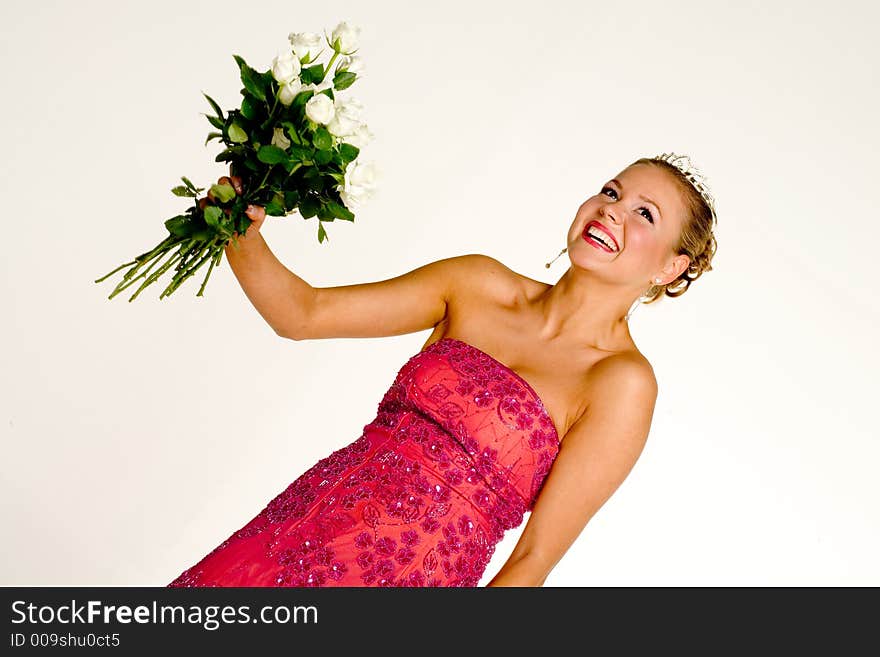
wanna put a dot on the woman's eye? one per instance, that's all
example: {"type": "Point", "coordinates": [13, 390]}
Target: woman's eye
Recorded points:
{"type": "Point", "coordinates": [647, 216]}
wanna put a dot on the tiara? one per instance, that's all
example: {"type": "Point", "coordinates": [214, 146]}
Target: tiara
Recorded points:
{"type": "Point", "coordinates": [695, 177]}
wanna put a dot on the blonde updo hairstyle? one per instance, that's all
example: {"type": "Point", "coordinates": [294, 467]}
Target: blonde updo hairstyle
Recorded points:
{"type": "Point", "coordinates": [697, 238]}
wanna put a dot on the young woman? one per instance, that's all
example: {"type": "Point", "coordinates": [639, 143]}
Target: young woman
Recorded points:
{"type": "Point", "coordinates": [527, 397]}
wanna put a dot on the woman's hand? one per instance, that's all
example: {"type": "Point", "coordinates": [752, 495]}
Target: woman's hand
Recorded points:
{"type": "Point", "coordinates": [256, 213]}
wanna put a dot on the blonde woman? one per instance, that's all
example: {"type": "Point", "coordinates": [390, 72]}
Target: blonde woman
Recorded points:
{"type": "Point", "coordinates": [526, 397]}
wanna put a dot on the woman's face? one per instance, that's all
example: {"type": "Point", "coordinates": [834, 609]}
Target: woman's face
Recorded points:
{"type": "Point", "coordinates": [643, 211]}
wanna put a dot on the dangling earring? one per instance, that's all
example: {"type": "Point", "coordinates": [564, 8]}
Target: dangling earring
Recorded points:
{"type": "Point", "coordinates": [556, 258]}
{"type": "Point", "coordinates": [635, 305]}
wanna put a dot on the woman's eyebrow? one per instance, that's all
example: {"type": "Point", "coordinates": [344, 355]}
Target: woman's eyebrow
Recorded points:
{"type": "Point", "coordinates": [644, 198]}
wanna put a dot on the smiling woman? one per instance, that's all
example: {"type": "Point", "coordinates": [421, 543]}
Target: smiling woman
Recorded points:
{"type": "Point", "coordinates": [463, 445]}
{"type": "Point", "coordinates": [696, 240]}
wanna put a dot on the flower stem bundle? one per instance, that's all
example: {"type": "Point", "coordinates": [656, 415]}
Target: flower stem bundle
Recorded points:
{"type": "Point", "coordinates": [293, 144]}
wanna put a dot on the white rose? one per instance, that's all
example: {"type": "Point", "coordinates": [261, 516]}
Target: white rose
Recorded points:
{"type": "Point", "coordinates": [350, 108]}
{"type": "Point", "coordinates": [359, 137]}
{"type": "Point", "coordinates": [305, 44]}
{"type": "Point", "coordinates": [320, 109]}
{"type": "Point", "coordinates": [288, 91]}
{"type": "Point", "coordinates": [360, 184]}
{"type": "Point", "coordinates": [347, 35]}
{"type": "Point", "coordinates": [327, 83]}
{"type": "Point", "coordinates": [285, 67]}
{"type": "Point", "coordinates": [352, 201]}
{"type": "Point", "coordinates": [340, 126]}
{"type": "Point", "coordinates": [360, 174]}
{"type": "Point", "coordinates": [279, 139]}
{"type": "Point", "coordinates": [352, 63]}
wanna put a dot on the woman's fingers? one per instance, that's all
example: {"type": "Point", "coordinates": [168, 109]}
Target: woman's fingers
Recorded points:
{"type": "Point", "coordinates": [235, 181]}
{"type": "Point", "coordinates": [255, 212]}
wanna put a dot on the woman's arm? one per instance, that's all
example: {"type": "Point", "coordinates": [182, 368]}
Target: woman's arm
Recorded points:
{"type": "Point", "coordinates": [596, 455]}
{"type": "Point", "coordinates": [413, 301]}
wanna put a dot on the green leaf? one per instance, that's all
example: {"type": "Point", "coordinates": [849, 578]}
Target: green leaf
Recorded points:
{"type": "Point", "coordinates": [179, 226]}
{"type": "Point", "coordinates": [275, 206]}
{"type": "Point", "coordinates": [291, 131]}
{"type": "Point", "coordinates": [316, 72]}
{"type": "Point", "coordinates": [343, 80]}
{"type": "Point", "coordinates": [248, 108]}
{"type": "Point", "coordinates": [269, 82]}
{"type": "Point", "coordinates": [212, 216]}
{"type": "Point", "coordinates": [213, 135]}
{"type": "Point", "coordinates": [237, 134]}
{"type": "Point", "coordinates": [291, 198]}
{"type": "Point", "coordinates": [308, 207]}
{"type": "Point", "coordinates": [182, 190]}
{"type": "Point", "coordinates": [300, 153]}
{"type": "Point", "coordinates": [323, 157]}
{"type": "Point", "coordinates": [271, 154]}
{"type": "Point", "coordinates": [348, 152]}
{"type": "Point", "coordinates": [322, 234]}
{"type": "Point", "coordinates": [226, 155]}
{"type": "Point", "coordinates": [189, 184]}
{"type": "Point", "coordinates": [303, 97]}
{"type": "Point", "coordinates": [324, 213]}
{"type": "Point", "coordinates": [340, 211]}
{"type": "Point", "coordinates": [217, 123]}
{"type": "Point", "coordinates": [313, 180]}
{"type": "Point", "coordinates": [217, 110]}
{"type": "Point", "coordinates": [254, 82]}
{"type": "Point", "coordinates": [223, 193]}
{"type": "Point", "coordinates": [322, 140]}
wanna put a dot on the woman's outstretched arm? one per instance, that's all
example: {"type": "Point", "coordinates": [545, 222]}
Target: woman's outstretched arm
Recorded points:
{"type": "Point", "coordinates": [411, 302]}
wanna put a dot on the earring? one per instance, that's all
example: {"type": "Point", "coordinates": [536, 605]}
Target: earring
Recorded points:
{"type": "Point", "coordinates": [638, 301]}
{"type": "Point", "coordinates": [554, 259]}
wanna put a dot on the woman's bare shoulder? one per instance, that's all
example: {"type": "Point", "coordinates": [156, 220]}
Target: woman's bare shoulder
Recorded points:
{"type": "Point", "coordinates": [483, 274]}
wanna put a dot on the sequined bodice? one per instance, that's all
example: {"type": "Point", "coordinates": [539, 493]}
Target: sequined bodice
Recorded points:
{"type": "Point", "coordinates": [458, 452]}
{"type": "Point", "coordinates": [488, 409]}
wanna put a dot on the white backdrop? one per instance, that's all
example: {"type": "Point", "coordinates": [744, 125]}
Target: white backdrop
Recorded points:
{"type": "Point", "coordinates": [137, 436]}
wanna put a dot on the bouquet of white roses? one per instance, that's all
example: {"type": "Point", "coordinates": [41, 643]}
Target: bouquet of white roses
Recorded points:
{"type": "Point", "coordinates": [292, 145]}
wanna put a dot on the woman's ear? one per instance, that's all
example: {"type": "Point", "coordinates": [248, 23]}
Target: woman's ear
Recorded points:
{"type": "Point", "coordinates": [674, 269]}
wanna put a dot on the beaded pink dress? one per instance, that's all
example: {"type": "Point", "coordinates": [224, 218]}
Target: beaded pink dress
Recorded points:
{"type": "Point", "coordinates": [457, 454]}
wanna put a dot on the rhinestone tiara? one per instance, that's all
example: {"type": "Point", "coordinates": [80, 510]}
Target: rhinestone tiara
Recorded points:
{"type": "Point", "coordinates": [695, 177]}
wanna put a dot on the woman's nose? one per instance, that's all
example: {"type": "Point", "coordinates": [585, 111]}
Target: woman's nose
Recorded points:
{"type": "Point", "coordinates": [607, 214]}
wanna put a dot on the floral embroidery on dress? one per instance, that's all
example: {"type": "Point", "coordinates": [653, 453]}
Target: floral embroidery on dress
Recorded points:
{"type": "Point", "coordinates": [457, 454]}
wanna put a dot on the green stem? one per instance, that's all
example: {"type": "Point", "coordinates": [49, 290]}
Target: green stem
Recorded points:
{"type": "Point", "coordinates": [140, 259]}
{"type": "Point", "coordinates": [330, 64]}
{"type": "Point", "coordinates": [129, 277]}
{"type": "Point", "coordinates": [218, 253]}
{"type": "Point", "coordinates": [182, 269]}
{"type": "Point", "coordinates": [157, 273]}
{"type": "Point", "coordinates": [180, 278]}
{"type": "Point", "coordinates": [263, 181]}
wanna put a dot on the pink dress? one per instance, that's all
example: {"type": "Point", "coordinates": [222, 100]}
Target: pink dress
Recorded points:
{"type": "Point", "coordinates": [457, 454]}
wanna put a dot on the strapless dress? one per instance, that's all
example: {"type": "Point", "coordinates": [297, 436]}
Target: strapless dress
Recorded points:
{"type": "Point", "coordinates": [456, 455]}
